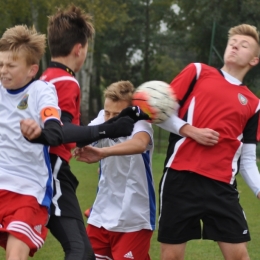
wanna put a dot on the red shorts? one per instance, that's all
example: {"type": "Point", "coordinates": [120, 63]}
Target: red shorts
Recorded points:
{"type": "Point", "coordinates": [119, 245]}
{"type": "Point", "coordinates": [24, 218]}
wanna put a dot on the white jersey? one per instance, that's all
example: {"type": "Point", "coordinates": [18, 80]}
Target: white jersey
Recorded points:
{"type": "Point", "coordinates": [25, 167]}
{"type": "Point", "coordinates": [125, 200]}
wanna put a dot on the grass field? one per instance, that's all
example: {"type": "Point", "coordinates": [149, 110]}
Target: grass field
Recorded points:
{"type": "Point", "coordinates": [196, 250]}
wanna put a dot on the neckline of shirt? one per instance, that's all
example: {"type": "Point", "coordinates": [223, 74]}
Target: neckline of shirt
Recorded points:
{"type": "Point", "coordinates": [230, 78]}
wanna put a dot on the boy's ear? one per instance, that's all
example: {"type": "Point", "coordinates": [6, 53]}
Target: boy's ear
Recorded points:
{"type": "Point", "coordinates": [76, 49]}
{"type": "Point", "coordinates": [33, 70]}
{"type": "Point", "coordinates": [254, 61]}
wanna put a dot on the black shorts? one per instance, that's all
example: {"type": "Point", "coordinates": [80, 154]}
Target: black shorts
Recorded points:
{"type": "Point", "coordinates": [193, 207]}
{"type": "Point", "coordinates": [64, 201]}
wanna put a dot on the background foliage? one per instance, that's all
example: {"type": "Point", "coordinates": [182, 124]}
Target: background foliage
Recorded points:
{"type": "Point", "coordinates": [141, 40]}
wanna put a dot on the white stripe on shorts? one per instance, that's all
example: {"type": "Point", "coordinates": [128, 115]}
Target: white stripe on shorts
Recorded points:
{"type": "Point", "coordinates": [56, 183]}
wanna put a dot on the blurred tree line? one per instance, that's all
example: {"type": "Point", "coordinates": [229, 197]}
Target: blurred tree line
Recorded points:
{"type": "Point", "coordinates": [141, 40]}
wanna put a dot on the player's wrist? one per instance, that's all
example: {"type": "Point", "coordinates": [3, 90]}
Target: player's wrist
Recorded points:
{"type": "Point", "coordinates": [105, 152]}
{"type": "Point", "coordinates": [187, 130]}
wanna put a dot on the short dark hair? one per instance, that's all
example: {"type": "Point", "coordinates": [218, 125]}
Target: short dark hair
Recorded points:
{"type": "Point", "coordinates": [66, 28]}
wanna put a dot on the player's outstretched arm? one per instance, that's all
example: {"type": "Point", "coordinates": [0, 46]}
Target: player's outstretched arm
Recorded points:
{"type": "Point", "coordinates": [53, 134]}
{"type": "Point", "coordinates": [136, 145]}
{"type": "Point", "coordinates": [84, 135]}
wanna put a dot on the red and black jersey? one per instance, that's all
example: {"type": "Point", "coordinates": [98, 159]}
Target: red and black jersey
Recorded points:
{"type": "Point", "coordinates": [208, 100]}
{"type": "Point", "coordinates": [68, 92]}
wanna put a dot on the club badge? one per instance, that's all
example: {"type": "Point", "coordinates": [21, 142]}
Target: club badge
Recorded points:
{"type": "Point", "coordinates": [23, 103]}
{"type": "Point", "coordinates": [242, 99]}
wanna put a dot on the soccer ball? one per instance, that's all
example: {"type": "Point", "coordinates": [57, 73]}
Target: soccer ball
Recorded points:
{"type": "Point", "coordinates": [155, 98]}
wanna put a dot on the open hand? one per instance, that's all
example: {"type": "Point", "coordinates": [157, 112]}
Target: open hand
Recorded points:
{"type": "Point", "coordinates": [88, 154]}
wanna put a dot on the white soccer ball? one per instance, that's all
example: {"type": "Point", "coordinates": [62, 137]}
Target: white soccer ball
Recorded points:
{"type": "Point", "coordinates": [155, 98]}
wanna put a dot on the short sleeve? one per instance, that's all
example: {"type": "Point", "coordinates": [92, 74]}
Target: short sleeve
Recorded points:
{"type": "Point", "coordinates": [251, 134]}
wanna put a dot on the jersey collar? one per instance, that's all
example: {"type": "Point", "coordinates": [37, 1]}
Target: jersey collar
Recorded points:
{"type": "Point", "coordinates": [19, 90]}
{"type": "Point", "coordinates": [230, 78]}
{"type": "Point", "coordinates": [55, 64]}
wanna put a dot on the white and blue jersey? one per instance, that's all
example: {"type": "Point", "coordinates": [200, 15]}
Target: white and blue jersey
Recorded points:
{"type": "Point", "coordinates": [24, 166]}
{"type": "Point", "coordinates": [125, 200]}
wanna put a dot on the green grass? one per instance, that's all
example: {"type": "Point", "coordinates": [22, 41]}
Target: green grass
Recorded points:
{"type": "Point", "coordinates": [196, 250]}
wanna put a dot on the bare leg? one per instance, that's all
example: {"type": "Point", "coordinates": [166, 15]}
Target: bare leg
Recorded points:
{"type": "Point", "coordinates": [172, 252]}
{"type": "Point", "coordinates": [16, 249]}
{"type": "Point", "coordinates": [236, 251]}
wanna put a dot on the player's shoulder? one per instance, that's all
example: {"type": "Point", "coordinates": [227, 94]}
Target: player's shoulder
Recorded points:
{"type": "Point", "coordinates": [59, 76]}
{"type": "Point", "coordinates": [101, 113]}
{"type": "Point", "coordinates": [99, 119]}
{"type": "Point", "coordinates": [198, 66]}
{"type": "Point", "coordinates": [143, 126]}
{"type": "Point", "coordinates": [42, 86]}
{"type": "Point", "coordinates": [42, 83]}
{"type": "Point", "coordinates": [200, 69]}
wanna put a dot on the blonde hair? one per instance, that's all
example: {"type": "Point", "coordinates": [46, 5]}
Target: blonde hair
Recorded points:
{"type": "Point", "coordinates": [120, 90]}
{"type": "Point", "coordinates": [20, 38]}
{"type": "Point", "coordinates": [247, 30]}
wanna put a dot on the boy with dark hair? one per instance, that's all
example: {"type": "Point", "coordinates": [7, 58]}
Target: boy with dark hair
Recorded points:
{"type": "Point", "coordinates": [25, 170]}
{"type": "Point", "coordinates": [215, 134]}
{"type": "Point", "coordinates": [68, 33]}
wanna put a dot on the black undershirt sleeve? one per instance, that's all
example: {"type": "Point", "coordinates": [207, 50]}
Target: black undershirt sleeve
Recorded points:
{"type": "Point", "coordinates": [80, 134]}
{"type": "Point", "coordinates": [251, 130]}
{"type": "Point", "coordinates": [51, 134]}
{"type": "Point", "coordinates": [54, 134]}
{"type": "Point", "coordinates": [84, 135]}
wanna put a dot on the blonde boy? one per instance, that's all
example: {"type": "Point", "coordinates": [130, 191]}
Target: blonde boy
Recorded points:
{"type": "Point", "coordinates": [219, 132]}
{"type": "Point", "coordinates": [25, 175]}
{"type": "Point", "coordinates": [122, 218]}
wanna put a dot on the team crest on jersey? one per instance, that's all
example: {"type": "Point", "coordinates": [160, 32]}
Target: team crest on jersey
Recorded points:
{"type": "Point", "coordinates": [24, 102]}
{"type": "Point", "coordinates": [242, 99]}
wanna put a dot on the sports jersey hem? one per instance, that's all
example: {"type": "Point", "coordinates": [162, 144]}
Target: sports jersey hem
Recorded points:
{"type": "Point", "coordinates": [23, 193]}
{"type": "Point", "coordinates": [126, 230]}
{"type": "Point", "coordinates": [205, 174]}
